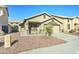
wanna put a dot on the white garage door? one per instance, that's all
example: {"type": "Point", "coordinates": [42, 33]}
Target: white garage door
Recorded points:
{"type": "Point", "coordinates": [55, 29]}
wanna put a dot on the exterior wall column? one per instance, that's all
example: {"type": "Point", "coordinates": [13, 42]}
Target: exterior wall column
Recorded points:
{"type": "Point", "coordinates": [65, 25]}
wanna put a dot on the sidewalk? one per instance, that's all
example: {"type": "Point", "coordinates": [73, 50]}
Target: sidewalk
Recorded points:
{"type": "Point", "coordinates": [72, 46]}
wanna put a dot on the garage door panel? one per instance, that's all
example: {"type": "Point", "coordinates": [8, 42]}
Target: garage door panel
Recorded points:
{"type": "Point", "coordinates": [55, 29]}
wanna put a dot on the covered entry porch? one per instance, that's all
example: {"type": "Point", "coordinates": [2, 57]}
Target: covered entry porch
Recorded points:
{"type": "Point", "coordinates": [33, 27]}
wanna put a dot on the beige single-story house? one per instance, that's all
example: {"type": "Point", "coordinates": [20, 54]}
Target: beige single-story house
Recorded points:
{"type": "Point", "coordinates": [4, 19]}
{"type": "Point", "coordinates": [60, 23]}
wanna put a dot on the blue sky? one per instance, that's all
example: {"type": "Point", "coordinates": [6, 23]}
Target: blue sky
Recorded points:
{"type": "Point", "coordinates": [19, 12]}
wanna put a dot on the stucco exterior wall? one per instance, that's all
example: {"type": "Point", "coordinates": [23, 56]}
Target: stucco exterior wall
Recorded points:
{"type": "Point", "coordinates": [26, 25]}
{"type": "Point", "coordinates": [3, 16]}
{"type": "Point", "coordinates": [35, 19]}
{"type": "Point", "coordinates": [71, 27]}
{"type": "Point", "coordinates": [65, 25]}
{"type": "Point", "coordinates": [75, 21]}
{"type": "Point", "coordinates": [63, 22]}
{"type": "Point", "coordinates": [40, 18]}
{"type": "Point", "coordinates": [60, 19]}
{"type": "Point", "coordinates": [4, 20]}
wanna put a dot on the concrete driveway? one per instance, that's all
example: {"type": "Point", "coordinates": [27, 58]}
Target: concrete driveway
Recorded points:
{"type": "Point", "coordinates": [70, 47]}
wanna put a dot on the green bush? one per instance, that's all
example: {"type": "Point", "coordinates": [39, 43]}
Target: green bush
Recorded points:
{"type": "Point", "coordinates": [71, 31]}
{"type": "Point", "coordinates": [78, 29]}
{"type": "Point", "coordinates": [62, 30]}
{"type": "Point", "coordinates": [48, 30]}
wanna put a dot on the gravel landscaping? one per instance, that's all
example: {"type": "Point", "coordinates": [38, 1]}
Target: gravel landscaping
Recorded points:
{"type": "Point", "coordinates": [76, 33]}
{"type": "Point", "coordinates": [20, 44]}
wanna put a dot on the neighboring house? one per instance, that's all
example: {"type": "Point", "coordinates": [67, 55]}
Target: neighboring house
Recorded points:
{"type": "Point", "coordinates": [35, 24]}
{"type": "Point", "coordinates": [14, 26]}
{"type": "Point", "coordinates": [69, 23]}
{"type": "Point", "coordinates": [4, 19]}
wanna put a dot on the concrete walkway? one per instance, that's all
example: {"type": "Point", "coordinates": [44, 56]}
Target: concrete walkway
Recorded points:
{"type": "Point", "coordinates": [70, 47]}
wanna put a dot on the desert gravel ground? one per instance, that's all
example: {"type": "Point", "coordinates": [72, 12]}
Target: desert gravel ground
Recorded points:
{"type": "Point", "coordinates": [77, 33]}
{"type": "Point", "coordinates": [25, 43]}
{"type": "Point", "coordinates": [70, 47]}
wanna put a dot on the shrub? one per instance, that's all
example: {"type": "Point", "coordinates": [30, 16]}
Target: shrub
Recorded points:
{"type": "Point", "coordinates": [78, 29]}
{"type": "Point", "coordinates": [71, 31]}
{"type": "Point", "coordinates": [62, 30]}
{"type": "Point", "coordinates": [48, 30]}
